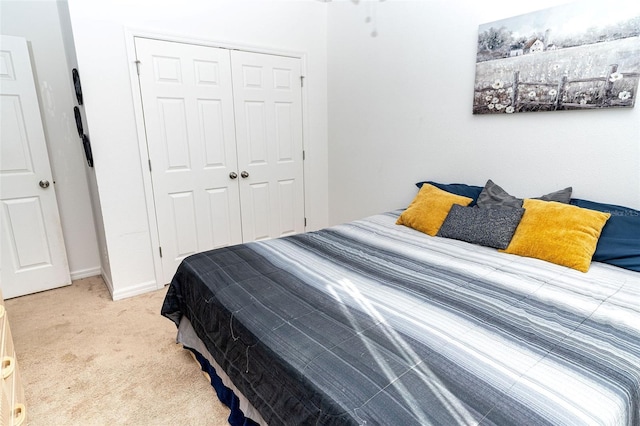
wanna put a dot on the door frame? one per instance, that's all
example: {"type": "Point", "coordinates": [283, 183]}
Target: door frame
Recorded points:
{"type": "Point", "coordinates": [130, 35]}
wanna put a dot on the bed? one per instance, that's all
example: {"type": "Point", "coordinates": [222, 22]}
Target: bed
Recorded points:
{"type": "Point", "coordinates": [370, 322]}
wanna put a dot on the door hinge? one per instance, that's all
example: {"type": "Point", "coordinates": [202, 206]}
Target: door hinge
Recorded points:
{"type": "Point", "coordinates": [302, 81]}
{"type": "Point", "coordinates": [149, 164]}
{"type": "Point", "coordinates": [304, 155]}
{"type": "Point", "coordinates": [160, 250]}
{"type": "Point", "coordinates": [305, 221]}
{"type": "Point", "coordinates": [138, 67]}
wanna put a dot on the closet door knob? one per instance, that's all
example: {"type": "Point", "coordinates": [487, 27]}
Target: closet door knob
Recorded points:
{"type": "Point", "coordinates": [233, 175]}
{"type": "Point", "coordinates": [244, 174]}
{"type": "Point", "coordinates": [44, 183]}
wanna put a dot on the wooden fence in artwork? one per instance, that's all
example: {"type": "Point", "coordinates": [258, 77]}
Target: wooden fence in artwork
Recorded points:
{"type": "Point", "coordinates": [581, 93]}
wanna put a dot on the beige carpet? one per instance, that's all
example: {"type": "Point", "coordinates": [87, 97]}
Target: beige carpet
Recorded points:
{"type": "Point", "coordinates": [87, 360]}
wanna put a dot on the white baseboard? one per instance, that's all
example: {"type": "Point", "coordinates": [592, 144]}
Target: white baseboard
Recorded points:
{"type": "Point", "coordinates": [85, 273]}
{"type": "Point", "coordinates": [107, 282]}
{"type": "Point", "coordinates": [132, 290]}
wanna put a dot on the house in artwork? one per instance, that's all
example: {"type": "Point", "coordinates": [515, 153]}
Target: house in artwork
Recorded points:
{"type": "Point", "coordinates": [534, 46]}
{"type": "Point", "coordinates": [537, 45]}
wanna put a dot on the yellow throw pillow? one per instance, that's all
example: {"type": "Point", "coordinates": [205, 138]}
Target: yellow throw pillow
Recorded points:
{"type": "Point", "coordinates": [429, 209]}
{"type": "Point", "coordinates": [559, 233]}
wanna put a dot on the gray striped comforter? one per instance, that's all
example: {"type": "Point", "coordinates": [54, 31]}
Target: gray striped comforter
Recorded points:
{"type": "Point", "coordinates": [374, 323]}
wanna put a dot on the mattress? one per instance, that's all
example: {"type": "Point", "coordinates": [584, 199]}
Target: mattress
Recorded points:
{"type": "Point", "coordinates": [374, 323]}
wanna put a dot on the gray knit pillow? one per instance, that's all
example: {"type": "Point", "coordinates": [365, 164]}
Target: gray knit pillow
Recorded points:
{"type": "Point", "coordinates": [493, 227]}
{"type": "Point", "coordinates": [493, 195]}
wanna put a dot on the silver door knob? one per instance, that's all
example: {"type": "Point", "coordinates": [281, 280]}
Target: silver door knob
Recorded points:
{"type": "Point", "coordinates": [233, 175]}
{"type": "Point", "coordinates": [244, 174]}
{"type": "Point", "coordinates": [44, 183]}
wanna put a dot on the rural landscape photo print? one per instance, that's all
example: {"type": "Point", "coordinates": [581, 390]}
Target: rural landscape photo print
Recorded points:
{"type": "Point", "coordinates": [582, 55]}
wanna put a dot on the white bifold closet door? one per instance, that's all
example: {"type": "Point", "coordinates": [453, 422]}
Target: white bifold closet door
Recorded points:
{"type": "Point", "coordinates": [268, 114]}
{"type": "Point", "coordinates": [224, 137]}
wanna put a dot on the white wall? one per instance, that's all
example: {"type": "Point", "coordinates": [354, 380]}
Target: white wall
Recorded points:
{"type": "Point", "coordinates": [400, 111]}
{"type": "Point", "coordinates": [72, 60]}
{"type": "Point", "coordinates": [100, 41]}
{"type": "Point", "coordinates": [38, 22]}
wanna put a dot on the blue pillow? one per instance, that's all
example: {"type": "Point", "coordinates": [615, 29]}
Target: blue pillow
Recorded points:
{"type": "Point", "coordinates": [458, 189]}
{"type": "Point", "coordinates": [619, 242]}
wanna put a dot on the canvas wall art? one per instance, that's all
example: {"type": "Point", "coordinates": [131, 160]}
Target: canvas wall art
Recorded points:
{"type": "Point", "coordinates": [583, 55]}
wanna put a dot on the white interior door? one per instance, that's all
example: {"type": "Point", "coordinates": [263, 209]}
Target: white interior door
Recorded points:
{"type": "Point", "coordinates": [188, 113]}
{"type": "Point", "coordinates": [268, 112]}
{"type": "Point", "coordinates": [33, 252]}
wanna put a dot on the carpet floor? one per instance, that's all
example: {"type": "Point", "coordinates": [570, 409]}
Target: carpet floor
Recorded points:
{"type": "Point", "coordinates": [87, 360]}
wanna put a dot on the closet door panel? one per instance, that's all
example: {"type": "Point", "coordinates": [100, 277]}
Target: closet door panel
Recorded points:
{"type": "Point", "coordinates": [257, 205]}
{"type": "Point", "coordinates": [222, 204]}
{"type": "Point", "coordinates": [287, 207]}
{"type": "Point", "coordinates": [257, 138]}
{"type": "Point", "coordinates": [285, 132]}
{"type": "Point", "coordinates": [175, 139]}
{"type": "Point", "coordinates": [188, 112]}
{"type": "Point", "coordinates": [183, 219]}
{"type": "Point", "coordinates": [211, 119]}
{"type": "Point", "coordinates": [268, 111]}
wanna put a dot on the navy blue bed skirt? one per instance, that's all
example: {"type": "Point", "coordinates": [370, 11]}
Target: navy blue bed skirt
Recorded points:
{"type": "Point", "coordinates": [225, 395]}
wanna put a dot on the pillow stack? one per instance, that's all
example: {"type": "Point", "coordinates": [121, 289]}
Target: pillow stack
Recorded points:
{"type": "Point", "coordinates": [546, 228]}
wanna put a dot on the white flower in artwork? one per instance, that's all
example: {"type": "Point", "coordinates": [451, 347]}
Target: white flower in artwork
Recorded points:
{"type": "Point", "coordinates": [495, 100]}
{"type": "Point", "coordinates": [498, 84]}
{"type": "Point", "coordinates": [499, 107]}
{"type": "Point", "coordinates": [509, 109]}
{"type": "Point", "coordinates": [553, 93]}
{"type": "Point", "coordinates": [624, 95]}
{"type": "Point", "coordinates": [488, 98]}
{"type": "Point", "coordinates": [532, 94]}
{"type": "Point", "coordinates": [615, 77]}
{"type": "Point", "coordinates": [583, 101]}
{"type": "Point", "coordinates": [510, 90]}
{"type": "Point", "coordinates": [490, 106]}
